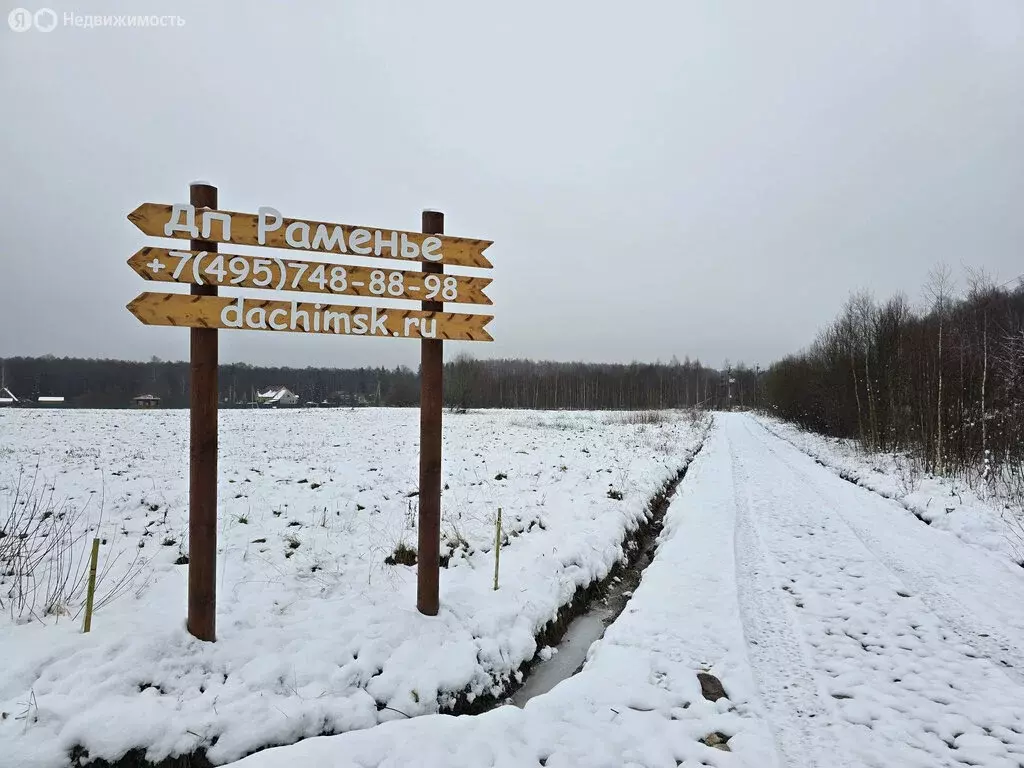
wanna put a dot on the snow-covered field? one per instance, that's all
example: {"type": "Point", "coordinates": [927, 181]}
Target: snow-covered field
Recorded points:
{"type": "Point", "coordinates": [847, 634]}
{"type": "Point", "coordinates": [316, 633]}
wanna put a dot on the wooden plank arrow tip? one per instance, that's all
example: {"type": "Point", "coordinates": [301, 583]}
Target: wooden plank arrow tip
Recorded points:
{"type": "Point", "coordinates": [483, 329]}
{"type": "Point", "coordinates": [137, 214]}
{"type": "Point", "coordinates": [133, 305]}
{"type": "Point", "coordinates": [484, 261]}
{"type": "Point", "coordinates": [485, 283]}
{"type": "Point", "coordinates": [138, 259]}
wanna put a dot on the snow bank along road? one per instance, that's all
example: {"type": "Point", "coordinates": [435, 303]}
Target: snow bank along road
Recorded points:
{"type": "Point", "coordinates": [845, 631]}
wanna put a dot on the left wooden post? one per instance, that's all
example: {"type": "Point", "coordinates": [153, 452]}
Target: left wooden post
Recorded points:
{"type": "Point", "coordinates": [202, 503]}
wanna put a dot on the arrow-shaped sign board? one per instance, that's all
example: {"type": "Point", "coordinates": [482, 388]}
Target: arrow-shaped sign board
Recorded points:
{"type": "Point", "coordinates": [183, 310]}
{"type": "Point", "coordinates": [268, 227]}
{"type": "Point", "coordinates": [273, 273]}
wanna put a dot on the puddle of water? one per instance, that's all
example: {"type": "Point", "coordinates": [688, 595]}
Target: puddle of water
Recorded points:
{"type": "Point", "coordinates": [572, 652]}
{"type": "Point", "coordinates": [590, 626]}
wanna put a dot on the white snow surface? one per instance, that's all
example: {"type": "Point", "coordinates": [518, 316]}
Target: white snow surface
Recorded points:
{"type": "Point", "coordinates": [948, 504]}
{"type": "Point", "coordinates": [315, 632]}
{"type": "Point", "coordinates": [846, 633]}
{"type": "Point", "coordinates": [637, 701]}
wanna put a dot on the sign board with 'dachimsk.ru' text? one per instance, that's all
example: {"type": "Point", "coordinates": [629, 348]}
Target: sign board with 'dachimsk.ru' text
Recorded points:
{"type": "Point", "coordinates": [205, 270]}
{"type": "Point", "coordinates": [222, 312]}
{"type": "Point", "coordinates": [277, 273]}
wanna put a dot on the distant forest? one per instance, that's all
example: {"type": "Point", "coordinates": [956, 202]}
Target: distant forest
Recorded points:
{"type": "Point", "coordinates": [469, 383]}
{"type": "Point", "coordinates": [945, 382]}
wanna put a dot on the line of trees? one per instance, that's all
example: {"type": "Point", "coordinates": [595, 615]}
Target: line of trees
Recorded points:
{"type": "Point", "coordinates": [944, 381]}
{"type": "Point", "coordinates": [473, 383]}
{"type": "Point", "coordinates": [469, 383]}
{"type": "Point", "coordinates": [100, 383]}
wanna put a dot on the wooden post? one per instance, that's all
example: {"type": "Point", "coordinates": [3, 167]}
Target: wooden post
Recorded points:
{"type": "Point", "coordinates": [497, 548]}
{"type": "Point", "coordinates": [90, 594]}
{"type": "Point", "coordinates": [431, 403]}
{"type": "Point", "coordinates": [202, 502]}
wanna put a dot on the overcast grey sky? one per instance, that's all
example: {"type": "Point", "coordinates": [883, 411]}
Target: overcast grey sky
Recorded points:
{"type": "Point", "coordinates": [704, 178]}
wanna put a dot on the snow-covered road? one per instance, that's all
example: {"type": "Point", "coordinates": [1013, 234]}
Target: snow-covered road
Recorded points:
{"type": "Point", "coordinates": [874, 639]}
{"type": "Point", "coordinates": [846, 632]}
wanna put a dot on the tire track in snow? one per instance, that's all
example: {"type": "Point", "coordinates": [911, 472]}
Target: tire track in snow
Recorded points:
{"type": "Point", "coordinates": [794, 699]}
{"type": "Point", "coordinates": [908, 692]}
{"type": "Point", "coordinates": [933, 582]}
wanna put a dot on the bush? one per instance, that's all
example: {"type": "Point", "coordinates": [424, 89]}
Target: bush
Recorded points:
{"type": "Point", "coordinates": [638, 417]}
{"type": "Point", "coordinates": [42, 551]}
{"type": "Point", "coordinates": [44, 555]}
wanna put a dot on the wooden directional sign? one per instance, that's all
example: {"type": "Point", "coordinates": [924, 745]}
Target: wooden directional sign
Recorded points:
{"type": "Point", "coordinates": [202, 310]}
{"type": "Point", "coordinates": [270, 228]}
{"type": "Point", "coordinates": [247, 313]}
{"type": "Point", "coordinates": [203, 268]}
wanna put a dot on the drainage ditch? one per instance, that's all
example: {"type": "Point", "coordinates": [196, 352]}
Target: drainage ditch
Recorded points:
{"type": "Point", "coordinates": [583, 619]}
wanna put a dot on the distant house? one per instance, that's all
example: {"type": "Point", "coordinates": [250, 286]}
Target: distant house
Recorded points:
{"type": "Point", "coordinates": [348, 399]}
{"type": "Point", "coordinates": [146, 401]}
{"type": "Point", "coordinates": [277, 396]}
{"type": "Point", "coordinates": [7, 397]}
